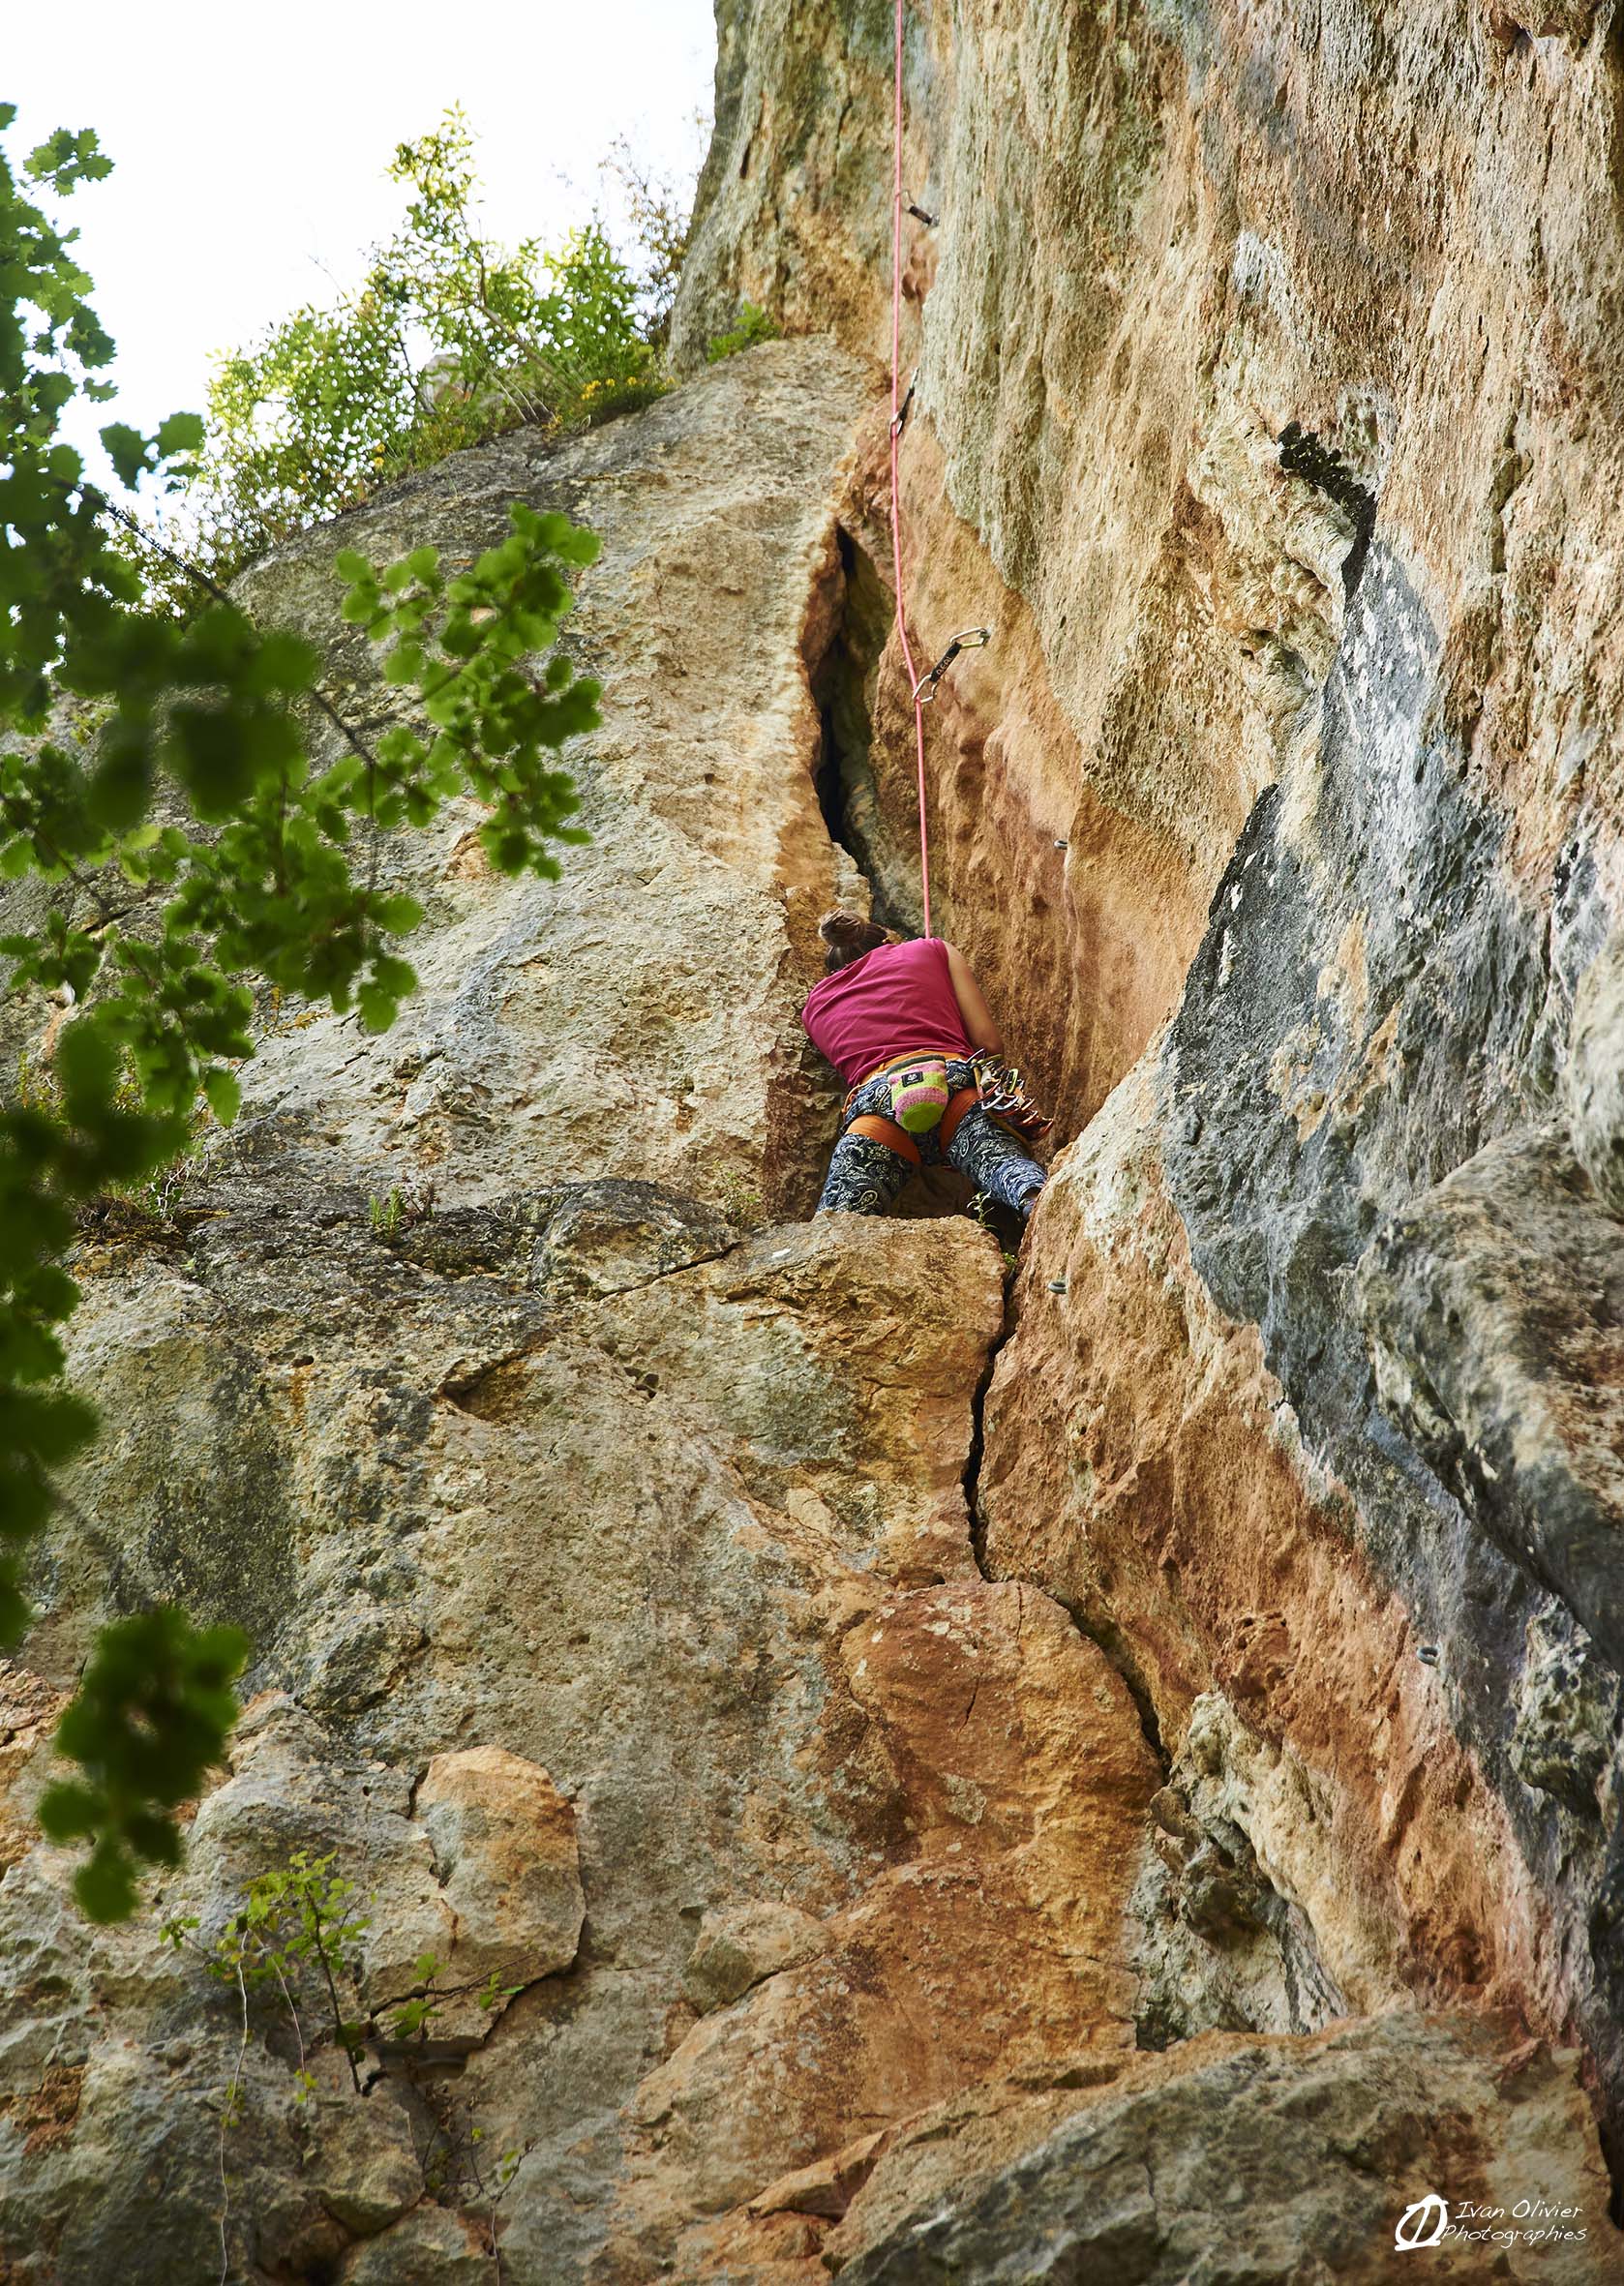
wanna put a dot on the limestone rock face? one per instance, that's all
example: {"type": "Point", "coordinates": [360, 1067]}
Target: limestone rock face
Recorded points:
{"type": "Point", "coordinates": [607, 1550]}
{"type": "Point", "coordinates": [508, 1865]}
{"type": "Point", "coordinates": [1595, 1075]}
{"type": "Point", "coordinates": [741, 1947]}
{"type": "Point", "coordinates": [912, 1765]}
{"type": "Point", "coordinates": [1157, 2173]}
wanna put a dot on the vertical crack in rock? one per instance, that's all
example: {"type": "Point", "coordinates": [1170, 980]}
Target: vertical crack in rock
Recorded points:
{"type": "Point", "coordinates": [973, 1458]}
{"type": "Point", "coordinates": [843, 678]}
{"type": "Point", "coordinates": [1109, 1639]}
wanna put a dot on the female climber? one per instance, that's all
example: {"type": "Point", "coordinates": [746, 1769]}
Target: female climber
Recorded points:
{"type": "Point", "coordinates": [904, 1024]}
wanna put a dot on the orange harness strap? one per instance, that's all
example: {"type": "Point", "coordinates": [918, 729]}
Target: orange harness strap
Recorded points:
{"type": "Point", "coordinates": [957, 1106]}
{"type": "Point", "coordinates": [897, 1138]}
{"type": "Point", "coordinates": [888, 1132]}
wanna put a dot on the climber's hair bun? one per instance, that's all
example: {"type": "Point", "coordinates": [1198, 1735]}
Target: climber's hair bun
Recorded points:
{"type": "Point", "coordinates": [849, 937]}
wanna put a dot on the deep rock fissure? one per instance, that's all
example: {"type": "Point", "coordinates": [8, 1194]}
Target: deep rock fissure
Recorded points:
{"type": "Point", "coordinates": [843, 679]}
{"type": "Point", "coordinates": [1108, 1639]}
{"type": "Point", "coordinates": [1309, 457]}
{"type": "Point", "coordinates": [978, 1425]}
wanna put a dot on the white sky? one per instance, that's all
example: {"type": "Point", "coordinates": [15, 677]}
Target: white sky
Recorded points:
{"type": "Point", "coordinates": [249, 143]}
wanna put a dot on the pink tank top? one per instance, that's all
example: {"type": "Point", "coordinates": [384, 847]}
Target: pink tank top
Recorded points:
{"type": "Point", "coordinates": [895, 998]}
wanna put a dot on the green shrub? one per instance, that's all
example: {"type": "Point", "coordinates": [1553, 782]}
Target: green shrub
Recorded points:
{"type": "Point", "coordinates": [448, 340]}
{"type": "Point", "coordinates": [660, 212]}
{"type": "Point", "coordinates": [754, 326]}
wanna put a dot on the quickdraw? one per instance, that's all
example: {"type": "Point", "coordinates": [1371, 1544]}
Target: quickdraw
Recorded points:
{"type": "Point", "coordinates": [969, 639]}
{"type": "Point", "coordinates": [1004, 1097]}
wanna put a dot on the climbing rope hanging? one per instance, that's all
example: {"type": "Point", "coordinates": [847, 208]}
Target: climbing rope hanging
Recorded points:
{"type": "Point", "coordinates": [898, 410]}
{"type": "Point", "coordinates": [922, 686]}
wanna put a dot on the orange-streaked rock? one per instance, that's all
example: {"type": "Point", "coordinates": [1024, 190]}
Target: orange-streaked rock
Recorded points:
{"type": "Point", "coordinates": [1140, 1463]}
{"type": "Point", "coordinates": [1024, 1777]}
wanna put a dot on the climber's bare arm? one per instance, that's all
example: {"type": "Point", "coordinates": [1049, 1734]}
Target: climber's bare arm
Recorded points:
{"type": "Point", "coordinates": [978, 1016]}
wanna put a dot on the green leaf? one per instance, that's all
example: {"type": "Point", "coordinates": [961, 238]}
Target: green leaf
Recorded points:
{"type": "Point", "coordinates": [65, 159]}
{"type": "Point", "coordinates": [127, 449]}
{"type": "Point", "coordinates": [398, 914]}
{"type": "Point", "coordinates": [378, 1008]}
{"type": "Point", "coordinates": [225, 1093]}
{"type": "Point", "coordinates": [181, 432]}
{"type": "Point", "coordinates": [68, 1811]}
{"type": "Point", "coordinates": [106, 1885]}
{"type": "Point", "coordinates": [87, 1064]}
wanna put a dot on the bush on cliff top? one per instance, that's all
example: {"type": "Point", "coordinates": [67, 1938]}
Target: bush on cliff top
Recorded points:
{"type": "Point", "coordinates": [266, 864]}
{"type": "Point", "coordinates": [448, 340]}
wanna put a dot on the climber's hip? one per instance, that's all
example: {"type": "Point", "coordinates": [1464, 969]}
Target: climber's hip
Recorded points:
{"type": "Point", "coordinates": [913, 1105]}
{"type": "Point", "coordinates": [876, 1153]}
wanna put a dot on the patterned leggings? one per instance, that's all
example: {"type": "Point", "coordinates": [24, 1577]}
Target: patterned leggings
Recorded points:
{"type": "Point", "coordinates": [864, 1176]}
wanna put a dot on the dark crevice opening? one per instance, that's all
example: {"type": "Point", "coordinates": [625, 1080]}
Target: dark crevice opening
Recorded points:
{"type": "Point", "coordinates": [978, 1434]}
{"type": "Point", "coordinates": [831, 792]}
{"type": "Point", "coordinates": [1308, 457]}
{"type": "Point", "coordinates": [1114, 1644]}
{"type": "Point", "coordinates": [843, 682]}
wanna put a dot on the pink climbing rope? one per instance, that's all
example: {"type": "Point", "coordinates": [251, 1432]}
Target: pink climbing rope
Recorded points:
{"type": "Point", "coordinates": [896, 486]}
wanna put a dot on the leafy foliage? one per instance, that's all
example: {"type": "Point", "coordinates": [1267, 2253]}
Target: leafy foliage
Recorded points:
{"type": "Point", "coordinates": [146, 1726]}
{"type": "Point", "coordinates": [299, 1929]}
{"type": "Point", "coordinates": [387, 1213]}
{"type": "Point", "coordinates": [661, 216]}
{"type": "Point", "coordinates": [266, 862]}
{"type": "Point", "coordinates": [298, 1923]}
{"type": "Point", "coordinates": [448, 340]}
{"type": "Point", "coordinates": [754, 326]}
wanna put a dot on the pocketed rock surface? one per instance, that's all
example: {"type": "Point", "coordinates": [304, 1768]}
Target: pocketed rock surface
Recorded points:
{"type": "Point", "coordinates": [909, 1768]}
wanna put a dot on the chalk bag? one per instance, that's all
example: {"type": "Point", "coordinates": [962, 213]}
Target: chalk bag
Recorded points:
{"type": "Point", "coordinates": [920, 1095]}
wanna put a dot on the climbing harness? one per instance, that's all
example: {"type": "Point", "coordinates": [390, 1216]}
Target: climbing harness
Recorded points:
{"type": "Point", "coordinates": [921, 1099]}
{"type": "Point", "coordinates": [896, 1138]}
{"type": "Point", "coordinates": [968, 639]}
